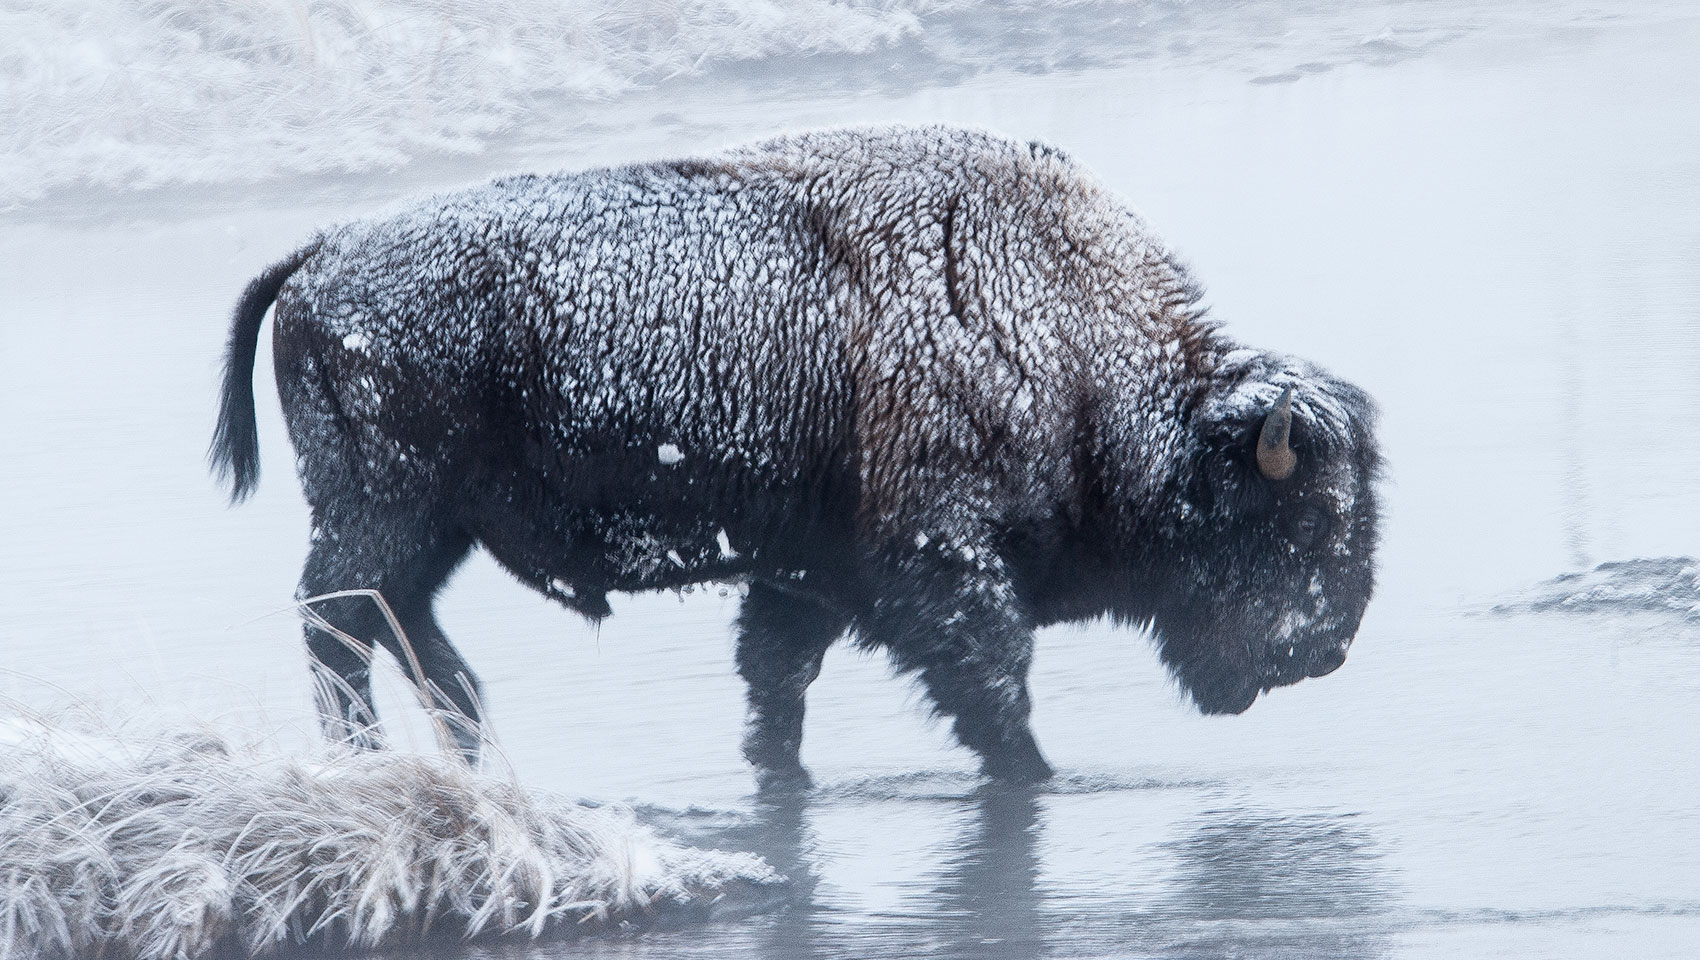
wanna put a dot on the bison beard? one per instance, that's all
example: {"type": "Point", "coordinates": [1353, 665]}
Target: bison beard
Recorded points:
{"type": "Point", "coordinates": [928, 387]}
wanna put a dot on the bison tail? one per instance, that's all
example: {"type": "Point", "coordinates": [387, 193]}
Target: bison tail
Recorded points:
{"type": "Point", "coordinates": [235, 449]}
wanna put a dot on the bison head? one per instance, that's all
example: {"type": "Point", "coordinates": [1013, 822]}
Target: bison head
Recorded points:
{"type": "Point", "coordinates": [1272, 534]}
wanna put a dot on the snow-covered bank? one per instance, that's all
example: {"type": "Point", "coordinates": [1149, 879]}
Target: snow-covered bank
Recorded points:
{"type": "Point", "coordinates": [1642, 585]}
{"type": "Point", "coordinates": [180, 91]}
{"type": "Point", "coordinates": [132, 96]}
{"type": "Point", "coordinates": [188, 92]}
{"type": "Point", "coordinates": [190, 846]}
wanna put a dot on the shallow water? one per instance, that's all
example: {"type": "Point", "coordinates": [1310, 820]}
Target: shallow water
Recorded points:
{"type": "Point", "coordinates": [1486, 218]}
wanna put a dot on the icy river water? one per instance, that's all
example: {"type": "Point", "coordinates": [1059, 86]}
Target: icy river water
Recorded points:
{"type": "Point", "coordinates": [1488, 219]}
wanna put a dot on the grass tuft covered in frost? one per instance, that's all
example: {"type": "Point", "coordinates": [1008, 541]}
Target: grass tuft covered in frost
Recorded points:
{"type": "Point", "coordinates": [191, 846]}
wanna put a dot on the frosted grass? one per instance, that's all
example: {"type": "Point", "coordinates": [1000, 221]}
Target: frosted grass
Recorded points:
{"type": "Point", "coordinates": [188, 845]}
{"type": "Point", "coordinates": [161, 92]}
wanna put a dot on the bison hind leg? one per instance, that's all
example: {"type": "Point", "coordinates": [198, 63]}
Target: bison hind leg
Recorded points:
{"type": "Point", "coordinates": [406, 567]}
{"type": "Point", "coordinates": [341, 667]}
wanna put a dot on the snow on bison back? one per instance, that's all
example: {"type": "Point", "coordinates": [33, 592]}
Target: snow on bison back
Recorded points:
{"type": "Point", "coordinates": [928, 386]}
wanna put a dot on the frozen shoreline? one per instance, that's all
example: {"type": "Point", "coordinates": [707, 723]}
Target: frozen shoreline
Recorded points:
{"type": "Point", "coordinates": [112, 105]}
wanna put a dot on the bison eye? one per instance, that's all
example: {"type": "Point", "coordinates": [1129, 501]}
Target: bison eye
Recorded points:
{"type": "Point", "coordinates": [1307, 527]}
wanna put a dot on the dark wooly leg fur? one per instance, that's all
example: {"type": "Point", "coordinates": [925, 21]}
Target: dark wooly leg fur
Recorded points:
{"type": "Point", "coordinates": [952, 620]}
{"type": "Point", "coordinates": [782, 638]}
{"type": "Point", "coordinates": [407, 568]}
{"type": "Point", "coordinates": [342, 678]}
{"type": "Point", "coordinates": [448, 682]}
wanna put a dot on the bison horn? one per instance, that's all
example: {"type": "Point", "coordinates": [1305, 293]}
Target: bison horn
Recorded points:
{"type": "Point", "coordinates": [1275, 456]}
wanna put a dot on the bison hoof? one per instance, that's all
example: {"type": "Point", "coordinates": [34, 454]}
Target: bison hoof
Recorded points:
{"type": "Point", "coordinates": [468, 741]}
{"type": "Point", "coordinates": [1017, 769]}
{"type": "Point", "coordinates": [783, 781]}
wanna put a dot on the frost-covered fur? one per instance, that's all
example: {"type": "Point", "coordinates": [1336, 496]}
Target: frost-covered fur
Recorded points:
{"type": "Point", "coordinates": [928, 385]}
{"type": "Point", "coordinates": [185, 847]}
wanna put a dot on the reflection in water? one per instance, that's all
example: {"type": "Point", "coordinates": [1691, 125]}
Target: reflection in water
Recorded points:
{"type": "Point", "coordinates": [984, 905]}
{"type": "Point", "coordinates": [1256, 884]}
{"type": "Point", "coordinates": [1247, 884]}
{"type": "Point", "coordinates": [1240, 883]}
{"type": "Point", "coordinates": [988, 904]}
{"type": "Point", "coordinates": [780, 833]}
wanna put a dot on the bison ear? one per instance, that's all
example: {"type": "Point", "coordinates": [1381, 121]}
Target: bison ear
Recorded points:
{"type": "Point", "coordinates": [1275, 457]}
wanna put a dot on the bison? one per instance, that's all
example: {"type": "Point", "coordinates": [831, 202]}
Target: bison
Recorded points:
{"type": "Point", "coordinates": [929, 387]}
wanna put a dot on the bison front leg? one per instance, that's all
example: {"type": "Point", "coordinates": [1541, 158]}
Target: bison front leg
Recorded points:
{"type": "Point", "coordinates": [949, 615]}
{"type": "Point", "coordinates": [782, 638]}
{"type": "Point", "coordinates": [406, 561]}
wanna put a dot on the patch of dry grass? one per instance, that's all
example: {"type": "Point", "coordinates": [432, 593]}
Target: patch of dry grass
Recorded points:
{"type": "Point", "coordinates": [190, 845]}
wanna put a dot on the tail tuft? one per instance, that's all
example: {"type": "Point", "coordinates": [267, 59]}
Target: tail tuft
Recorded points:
{"type": "Point", "coordinates": [234, 453]}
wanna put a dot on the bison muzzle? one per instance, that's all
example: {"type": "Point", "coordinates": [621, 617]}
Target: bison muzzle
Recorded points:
{"type": "Point", "coordinates": [925, 386]}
